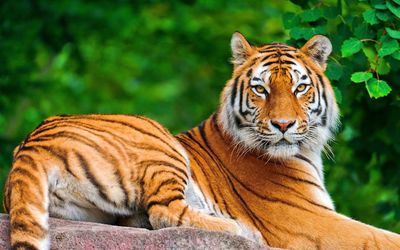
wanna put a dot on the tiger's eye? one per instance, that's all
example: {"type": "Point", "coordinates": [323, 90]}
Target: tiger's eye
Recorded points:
{"type": "Point", "coordinates": [301, 88]}
{"type": "Point", "coordinates": [259, 89]}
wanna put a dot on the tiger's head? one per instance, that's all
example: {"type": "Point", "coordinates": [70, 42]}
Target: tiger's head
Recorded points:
{"type": "Point", "coordinates": [279, 101]}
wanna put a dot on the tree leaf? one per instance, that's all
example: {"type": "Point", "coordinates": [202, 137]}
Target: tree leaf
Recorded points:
{"type": "Point", "coordinates": [318, 30]}
{"type": "Point", "coordinates": [388, 47]}
{"type": "Point", "coordinates": [383, 67]}
{"type": "Point", "coordinates": [383, 15]}
{"type": "Point", "coordinates": [380, 6]}
{"type": "Point", "coordinates": [361, 76]}
{"type": "Point", "coordinates": [370, 53]}
{"type": "Point", "coordinates": [370, 17]}
{"type": "Point", "coordinates": [396, 55]}
{"type": "Point", "coordinates": [312, 15]}
{"type": "Point", "coordinates": [334, 71]}
{"type": "Point", "coordinates": [394, 9]}
{"type": "Point", "coordinates": [338, 94]}
{"type": "Point", "coordinates": [351, 46]}
{"type": "Point", "coordinates": [377, 88]}
{"type": "Point", "coordinates": [290, 20]}
{"type": "Point", "coordinates": [297, 32]}
{"type": "Point", "coordinates": [363, 31]}
{"type": "Point", "coordinates": [331, 12]}
{"type": "Point", "coordinates": [397, 1]}
{"type": "Point", "coordinates": [393, 33]}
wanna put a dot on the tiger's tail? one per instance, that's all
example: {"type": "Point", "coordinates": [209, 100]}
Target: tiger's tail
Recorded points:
{"type": "Point", "coordinates": [26, 200]}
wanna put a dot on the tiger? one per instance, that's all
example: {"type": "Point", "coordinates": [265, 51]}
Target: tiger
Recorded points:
{"type": "Point", "coordinates": [253, 168]}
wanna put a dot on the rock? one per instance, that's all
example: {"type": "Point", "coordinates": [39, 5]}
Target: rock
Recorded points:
{"type": "Point", "coordinates": [85, 235]}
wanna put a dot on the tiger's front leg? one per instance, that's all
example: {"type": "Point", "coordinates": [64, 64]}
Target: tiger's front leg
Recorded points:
{"type": "Point", "coordinates": [166, 203]}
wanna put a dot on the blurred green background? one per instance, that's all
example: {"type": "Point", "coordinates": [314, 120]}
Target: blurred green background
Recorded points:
{"type": "Point", "coordinates": [169, 60]}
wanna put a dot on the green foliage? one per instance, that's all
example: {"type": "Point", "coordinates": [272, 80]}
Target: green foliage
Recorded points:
{"type": "Point", "coordinates": [377, 88]}
{"type": "Point", "coordinates": [351, 46]}
{"type": "Point", "coordinates": [361, 76]}
{"type": "Point", "coordinates": [169, 60]}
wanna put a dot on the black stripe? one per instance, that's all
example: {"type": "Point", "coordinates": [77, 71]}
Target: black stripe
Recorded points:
{"type": "Point", "coordinates": [324, 115]}
{"type": "Point", "coordinates": [182, 179]}
{"type": "Point", "coordinates": [248, 74]}
{"type": "Point", "coordinates": [23, 245]}
{"type": "Point", "coordinates": [122, 187]}
{"type": "Point", "coordinates": [159, 127]}
{"type": "Point", "coordinates": [238, 122]}
{"type": "Point", "coordinates": [234, 91]}
{"type": "Point", "coordinates": [58, 197]}
{"type": "Point", "coordinates": [165, 183]}
{"type": "Point", "coordinates": [302, 157]}
{"type": "Point", "coordinates": [181, 215]}
{"type": "Point", "coordinates": [43, 129]}
{"type": "Point", "coordinates": [24, 172]}
{"type": "Point", "coordinates": [203, 134]}
{"type": "Point", "coordinates": [148, 163]}
{"type": "Point", "coordinates": [273, 49]}
{"type": "Point", "coordinates": [195, 155]}
{"type": "Point", "coordinates": [301, 180]}
{"type": "Point", "coordinates": [28, 229]}
{"type": "Point", "coordinates": [289, 55]}
{"type": "Point", "coordinates": [242, 92]}
{"type": "Point", "coordinates": [26, 159]}
{"type": "Point", "coordinates": [60, 155]}
{"type": "Point", "coordinates": [270, 62]}
{"type": "Point", "coordinates": [300, 195]}
{"type": "Point", "coordinates": [215, 124]}
{"type": "Point", "coordinates": [165, 202]}
{"type": "Point", "coordinates": [102, 190]}
{"type": "Point", "coordinates": [287, 62]}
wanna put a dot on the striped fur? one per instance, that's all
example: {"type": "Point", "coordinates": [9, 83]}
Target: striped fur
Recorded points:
{"type": "Point", "coordinates": [253, 168]}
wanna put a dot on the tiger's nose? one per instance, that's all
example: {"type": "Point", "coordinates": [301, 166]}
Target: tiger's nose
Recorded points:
{"type": "Point", "coordinates": [282, 125]}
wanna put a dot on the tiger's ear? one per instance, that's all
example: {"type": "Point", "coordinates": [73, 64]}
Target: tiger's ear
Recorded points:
{"type": "Point", "coordinates": [241, 49]}
{"type": "Point", "coordinates": [318, 48]}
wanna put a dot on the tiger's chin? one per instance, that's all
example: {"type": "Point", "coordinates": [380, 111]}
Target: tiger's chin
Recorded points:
{"type": "Point", "coordinates": [282, 150]}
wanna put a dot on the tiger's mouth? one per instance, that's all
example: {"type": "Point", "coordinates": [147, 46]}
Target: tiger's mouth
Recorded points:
{"type": "Point", "coordinates": [283, 149]}
{"type": "Point", "coordinates": [283, 142]}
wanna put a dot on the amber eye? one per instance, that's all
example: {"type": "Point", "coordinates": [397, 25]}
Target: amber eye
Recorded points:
{"type": "Point", "coordinates": [301, 88]}
{"type": "Point", "coordinates": [259, 89]}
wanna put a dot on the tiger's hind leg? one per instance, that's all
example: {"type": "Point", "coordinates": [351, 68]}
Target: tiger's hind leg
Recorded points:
{"type": "Point", "coordinates": [166, 206]}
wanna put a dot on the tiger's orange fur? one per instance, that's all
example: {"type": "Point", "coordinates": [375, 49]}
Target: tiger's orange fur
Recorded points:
{"type": "Point", "coordinates": [253, 168]}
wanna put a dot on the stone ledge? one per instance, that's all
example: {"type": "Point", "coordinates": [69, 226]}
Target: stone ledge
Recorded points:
{"type": "Point", "coordinates": [85, 235]}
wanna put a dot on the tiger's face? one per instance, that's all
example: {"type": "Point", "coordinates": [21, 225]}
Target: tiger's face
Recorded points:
{"type": "Point", "coordinates": [279, 100]}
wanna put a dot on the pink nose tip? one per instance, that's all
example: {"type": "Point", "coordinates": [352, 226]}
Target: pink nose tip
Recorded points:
{"type": "Point", "coordinates": [282, 125]}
